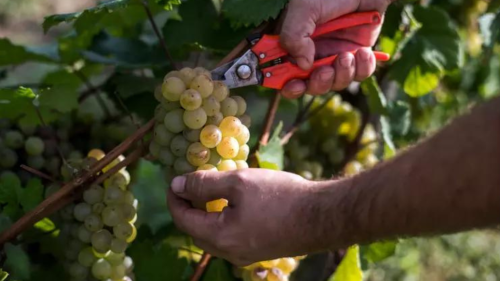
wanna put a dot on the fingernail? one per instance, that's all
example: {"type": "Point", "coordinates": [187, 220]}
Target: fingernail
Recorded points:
{"type": "Point", "coordinates": [303, 63]}
{"type": "Point", "coordinates": [178, 184]}
{"type": "Point", "coordinates": [365, 56]}
{"type": "Point", "coordinates": [346, 61]}
{"type": "Point", "coordinates": [326, 75]}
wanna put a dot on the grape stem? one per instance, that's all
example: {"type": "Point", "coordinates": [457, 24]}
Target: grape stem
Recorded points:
{"type": "Point", "coordinates": [200, 267]}
{"type": "Point", "coordinates": [270, 116]}
{"type": "Point", "coordinates": [37, 173]}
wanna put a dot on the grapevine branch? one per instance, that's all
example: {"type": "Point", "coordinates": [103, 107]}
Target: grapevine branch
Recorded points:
{"type": "Point", "coordinates": [200, 267]}
{"type": "Point", "coordinates": [37, 172]}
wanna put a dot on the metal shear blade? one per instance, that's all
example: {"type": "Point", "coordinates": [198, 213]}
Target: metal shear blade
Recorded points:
{"type": "Point", "coordinates": [240, 72]}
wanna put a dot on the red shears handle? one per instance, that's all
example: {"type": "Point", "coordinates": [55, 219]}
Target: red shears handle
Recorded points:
{"type": "Point", "coordinates": [268, 48]}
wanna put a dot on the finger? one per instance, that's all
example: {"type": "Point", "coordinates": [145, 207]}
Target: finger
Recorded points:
{"type": "Point", "coordinates": [365, 64]}
{"type": "Point", "coordinates": [321, 80]}
{"type": "Point", "coordinates": [203, 186]}
{"type": "Point", "coordinates": [293, 89]}
{"type": "Point", "coordinates": [344, 71]}
{"type": "Point", "coordinates": [197, 223]}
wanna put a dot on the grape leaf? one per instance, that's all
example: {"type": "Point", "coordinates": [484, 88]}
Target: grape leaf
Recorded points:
{"type": "Point", "coordinates": [62, 95]}
{"type": "Point", "coordinates": [19, 103]}
{"type": "Point", "coordinates": [5, 222]}
{"type": "Point", "coordinates": [17, 262]}
{"type": "Point", "coordinates": [11, 54]}
{"type": "Point", "coordinates": [32, 195]}
{"type": "Point", "coordinates": [10, 188]}
{"type": "Point", "coordinates": [217, 271]}
{"type": "Point", "coordinates": [433, 49]}
{"type": "Point", "coordinates": [376, 99]}
{"type": "Point", "coordinates": [378, 251]}
{"type": "Point", "coordinates": [349, 268]}
{"type": "Point", "coordinates": [270, 156]}
{"type": "Point", "coordinates": [129, 85]}
{"type": "Point", "coordinates": [45, 225]}
{"type": "Point", "coordinates": [252, 12]}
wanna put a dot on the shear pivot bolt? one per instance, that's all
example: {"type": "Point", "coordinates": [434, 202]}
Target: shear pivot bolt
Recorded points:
{"type": "Point", "coordinates": [262, 55]}
{"type": "Point", "coordinates": [244, 71]}
{"type": "Point", "coordinates": [268, 74]}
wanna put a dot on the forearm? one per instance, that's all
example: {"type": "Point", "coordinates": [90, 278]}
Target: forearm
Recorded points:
{"type": "Point", "coordinates": [448, 183]}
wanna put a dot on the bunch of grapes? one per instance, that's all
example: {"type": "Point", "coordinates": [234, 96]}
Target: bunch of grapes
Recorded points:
{"type": "Point", "coordinates": [98, 228]}
{"type": "Point", "coordinates": [273, 270]}
{"type": "Point", "coordinates": [199, 126]}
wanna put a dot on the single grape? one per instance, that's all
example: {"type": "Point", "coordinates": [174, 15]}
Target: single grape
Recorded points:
{"type": "Point", "coordinates": [306, 174]}
{"type": "Point", "coordinates": [211, 105]}
{"type": "Point", "coordinates": [244, 136]}
{"type": "Point", "coordinates": [242, 105]}
{"type": "Point", "coordinates": [162, 136]}
{"type": "Point", "coordinates": [158, 93]}
{"type": "Point", "coordinates": [52, 165]}
{"type": "Point", "coordinates": [96, 153]}
{"type": "Point", "coordinates": [191, 135]}
{"type": "Point", "coordinates": [197, 154]}
{"type": "Point", "coordinates": [214, 157]}
{"type": "Point", "coordinates": [129, 264]}
{"type": "Point", "coordinates": [113, 195]}
{"type": "Point", "coordinates": [86, 257]}
{"type": "Point", "coordinates": [81, 211]}
{"type": "Point", "coordinates": [115, 258]}
{"type": "Point", "coordinates": [173, 73]}
{"type": "Point", "coordinates": [112, 215]}
{"type": "Point", "coordinates": [128, 197]}
{"type": "Point", "coordinates": [179, 145]}
{"type": "Point", "coordinates": [228, 107]}
{"type": "Point", "coordinates": [117, 272]}
{"type": "Point", "coordinates": [101, 269]}
{"type": "Point", "coordinates": [316, 169]}
{"type": "Point", "coordinates": [174, 121]}
{"type": "Point", "coordinates": [243, 152]}
{"type": "Point", "coordinates": [227, 165]}
{"type": "Point", "coordinates": [336, 156]}
{"type": "Point", "coordinates": [36, 162]}
{"type": "Point", "coordinates": [228, 147]}
{"type": "Point", "coordinates": [67, 212]}
{"type": "Point", "coordinates": [118, 245]}
{"type": "Point", "coordinates": [169, 106]}
{"type": "Point", "coordinates": [121, 179]}
{"type": "Point", "coordinates": [241, 164]}
{"type": "Point", "coordinates": [190, 99]}
{"type": "Point", "coordinates": [203, 84]}
{"type": "Point", "coordinates": [187, 75]}
{"type": "Point", "coordinates": [353, 168]}
{"type": "Point", "coordinates": [200, 70]}
{"type": "Point", "coordinates": [166, 157]}
{"type": "Point", "coordinates": [98, 207]}
{"type": "Point", "coordinates": [101, 240]}
{"type": "Point", "coordinates": [26, 128]}
{"type": "Point", "coordinates": [123, 230]}
{"type": "Point", "coordinates": [370, 161]}
{"type": "Point", "coordinates": [230, 126]}
{"type": "Point", "coordinates": [221, 91]}
{"type": "Point", "coordinates": [99, 254]}
{"type": "Point", "coordinates": [128, 211]}
{"type": "Point", "coordinates": [329, 145]}
{"type": "Point", "coordinates": [207, 167]}
{"type": "Point", "coordinates": [215, 119]}
{"type": "Point", "coordinates": [195, 119]}
{"type": "Point", "coordinates": [78, 271]}
{"type": "Point", "coordinates": [210, 136]}
{"type": "Point", "coordinates": [93, 194]}
{"type": "Point", "coordinates": [172, 88]}
{"type": "Point", "coordinates": [34, 146]}
{"type": "Point", "coordinates": [245, 120]}
{"type": "Point", "coordinates": [154, 149]}
{"type": "Point", "coordinates": [13, 139]}
{"type": "Point", "coordinates": [160, 113]}
{"type": "Point", "coordinates": [93, 222]}
{"type": "Point", "coordinates": [182, 166]}
{"type": "Point", "coordinates": [84, 234]}
{"type": "Point", "coordinates": [8, 158]}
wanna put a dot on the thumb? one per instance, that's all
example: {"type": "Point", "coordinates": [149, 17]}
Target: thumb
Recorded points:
{"type": "Point", "coordinates": [202, 186]}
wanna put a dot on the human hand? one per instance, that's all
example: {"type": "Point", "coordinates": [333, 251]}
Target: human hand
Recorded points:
{"type": "Point", "coordinates": [300, 22]}
{"type": "Point", "coordinates": [268, 216]}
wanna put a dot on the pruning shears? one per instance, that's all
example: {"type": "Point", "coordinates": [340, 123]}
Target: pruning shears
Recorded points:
{"type": "Point", "coordinates": [264, 63]}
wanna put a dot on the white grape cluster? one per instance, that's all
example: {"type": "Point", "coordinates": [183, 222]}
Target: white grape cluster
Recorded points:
{"type": "Point", "coordinates": [100, 228]}
{"type": "Point", "coordinates": [198, 125]}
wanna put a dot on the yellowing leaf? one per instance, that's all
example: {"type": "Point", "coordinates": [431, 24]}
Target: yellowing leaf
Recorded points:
{"type": "Point", "coordinates": [419, 82]}
{"type": "Point", "coordinates": [350, 267]}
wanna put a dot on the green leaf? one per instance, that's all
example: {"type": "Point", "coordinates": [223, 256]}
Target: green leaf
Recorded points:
{"type": "Point", "coordinates": [45, 225]}
{"type": "Point", "coordinates": [389, 148]}
{"type": "Point", "coordinates": [400, 118]}
{"type": "Point", "coordinates": [376, 99]}
{"type": "Point", "coordinates": [270, 156]}
{"type": "Point", "coordinates": [32, 195]}
{"type": "Point", "coordinates": [218, 271]}
{"type": "Point", "coordinates": [62, 95]}
{"type": "Point", "coordinates": [490, 85]}
{"type": "Point", "coordinates": [349, 268]}
{"type": "Point", "coordinates": [3, 275]}
{"type": "Point", "coordinates": [168, 4]}
{"type": "Point", "coordinates": [156, 263]}
{"type": "Point", "coordinates": [11, 54]}
{"type": "Point", "coordinates": [488, 24]}
{"type": "Point", "coordinates": [5, 222]}
{"type": "Point", "coordinates": [10, 188]}
{"type": "Point", "coordinates": [378, 251]}
{"type": "Point", "coordinates": [252, 12]}
{"type": "Point", "coordinates": [130, 85]}
{"type": "Point", "coordinates": [19, 103]}
{"type": "Point", "coordinates": [432, 50]}
{"type": "Point", "coordinates": [17, 262]}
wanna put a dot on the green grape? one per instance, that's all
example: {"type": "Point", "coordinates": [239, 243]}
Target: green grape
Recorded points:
{"type": "Point", "coordinates": [101, 269]}
{"type": "Point", "coordinates": [158, 94]}
{"type": "Point", "coordinates": [182, 166]}
{"type": "Point", "coordinates": [353, 168]}
{"type": "Point", "coordinates": [166, 157]}
{"type": "Point", "coordinates": [26, 128]}
{"type": "Point", "coordinates": [160, 113]}
{"type": "Point", "coordinates": [118, 246]}
{"type": "Point", "coordinates": [369, 135]}
{"type": "Point", "coordinates": [169, 106]}
{"type": "Point", "coordinates": [214, 157]}
{"type": "Point", "coordinates": [112, 215]}
{"type": "Point", "coordinates": [230, 126]}
{"type": "Point", "coordinates": [129, 264]}
{"type": "Point", "coordinates": [84, 234]}
{"type": "Point", "coordinates": [128, 197]}
{"type": "Point", "coordinates": [228, 107]}
{"type": "Point", "coordinates": [207, 167]}
{"type": "Point", "coordinates": [228, 147]}
{"type": "Point", "coordinates": [81, 211]}
{"type": "Point", "coordinates": [113, 195]}
{"type": "Point", "coordinates": [215, 119]}
{"type": "Point", "coordinates": [179, 145]}
{"type": "Point", "coordinates": [93, 222]}
{"type": "Point", "coordinates": [245, 120]}
{"type": "Point", "coordinates": [244, 136]}
{"type": "Point", "coordinates": [121, 179]}
{"type": "Point", "coordinates": [191, 135]}
{"type": "Point", "coordinates": [118, 272]}
{"type": "Point", "coordinates": [200, 70]}
{"type": "Point", "coordinates": [172, 88]}
{"type": "Point", "coordinates": [8, 158]}
{"type": "Point", "coordinates": [52, 165]}
{"type": "Point", "coordinates": [329, 145]}
{"type": "Point", "coordinates": [75, 155]}
{"type": "Point", "coordinates": [78, 271]}
{"type": "Point", "coordinates": [241, 164]}
{"type": "Point", "coordinates": [306, 174]}
{"type": "Point", "coordinates": [128, 211]}
{"type": "Point", "coordinates": [243, 152]}
{"type": "Point", "coordinates": [86, 257]}
{"type": "Point", "coordinates": [173, 73]}
{"type": "Point", "coordinates": [227, 165]}
{"type": "Point", "coordinates": [51, 189]}
{"type": "Point", "coordinates": [190, 99]}
{"type": "Point", "coordinates": [211, 105]}
{"type": "Point", "coordinates": [115, 258]}
{"type": "Point", "coordinates": [93, 194]}
{"type": "Point", "coordinates": [36, 162]}
{"type": "Point", "coordinates": [162, 136]}
{"type": "Point", "coordinates": [34, 146]}
{"type": "Point", "coordinates": [197, 154]}
{"type": "Point", "coordinates": [13, 139]}
{"type": "Point", "coordinates": [154, 149]}
{"type": "Point", "coordinates": [174, 121]}
{"type": "Point", "coordinates": [195, 119]}
{"type": "Point", "coordinates": [203, 84]}
{"type": "Point", "coordinates": [370, 161]}
{"type": "Point", "coordinates": [336, 156]}
{"type": "Point", "coordinates": [242, 105]}
{"type": "Point", "coordinates": [101, 240]}
{"type": "Point", "coordinates": [73, 248]}
{"type": "Point", "coordinates": [221, 91]}
{"type": "Point", "coordinates": [123, 230]}
{"type": "Point", "coordinates": [74, 230]}
{"type": "Point", "coordinates": [210, 136]}
{"type": "Point", "coordinates": [98, 207]}
{"type": "Point", "coordinates": [187, 75]}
